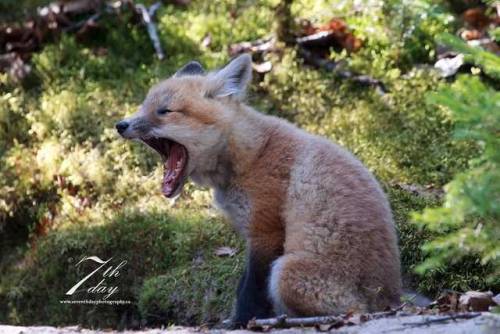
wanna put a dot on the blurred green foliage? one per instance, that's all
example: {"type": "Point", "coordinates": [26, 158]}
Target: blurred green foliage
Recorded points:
{"type": "Point", "coordinates": [468, 221]}
{"type": "Point", "coordinates": [70, 187]}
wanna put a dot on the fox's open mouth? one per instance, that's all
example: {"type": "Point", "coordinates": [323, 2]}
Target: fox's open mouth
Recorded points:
{"type": "Point", "coordinates": [175, 158]}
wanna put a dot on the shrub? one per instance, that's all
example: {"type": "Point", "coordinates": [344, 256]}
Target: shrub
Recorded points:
{"type": "Point", "coordinates": [467, 223]}
{"type": "Point", "coordinates": [413, 27]}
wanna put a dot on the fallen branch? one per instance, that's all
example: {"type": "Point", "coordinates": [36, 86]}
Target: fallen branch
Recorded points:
{"type": "Point", "coordinates": [331, 66]}
{"type": "Point", "coordinates": [321, 39]}
{"type": "Point", "coordinates": [453, 317]}
{"type": "Point", "coordinates": [283, 321]}
{"type": "Point", "coordinates": [262, 45]}
{"type": "Point", "coordinates": [385, 314]}
{"type": "Point", "coordinates": [147, 19]}
{"type": "Point", "coordinates": [429, 192]}
{"type": "Point", "coordinates": [87, 22]}
{"type": "Point", "coordinates": [311, 48]}
{"type": "Point", "coordinates": [19, 41]}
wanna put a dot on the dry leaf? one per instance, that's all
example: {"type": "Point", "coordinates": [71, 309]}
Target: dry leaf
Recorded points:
{"type": "Point", "coordinates": [263, 67]}
{"type": "Point", "coordinates": [448, 301]}
{"type": "Point", "coordinates": [476, 18]}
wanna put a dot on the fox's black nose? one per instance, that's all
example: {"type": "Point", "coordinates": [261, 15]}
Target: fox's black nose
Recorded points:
{"type": "Point", "coordinates": [121, 126]}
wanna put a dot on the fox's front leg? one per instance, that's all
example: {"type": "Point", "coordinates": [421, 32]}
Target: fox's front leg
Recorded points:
{"type": "Point", "coordinates": [252, 297]}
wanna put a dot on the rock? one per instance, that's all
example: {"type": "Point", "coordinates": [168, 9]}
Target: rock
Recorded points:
{"type": "Point", "coordinates": [476, 301]}
{"type": "Point", "coordinates": [496, 299]}
{"type": "Point", "coordinates": [449, 66]}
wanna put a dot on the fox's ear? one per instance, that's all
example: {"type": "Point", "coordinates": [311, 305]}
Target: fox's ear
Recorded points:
{"type": "Point", "coordinates": [191, 68]}
{"type": "Point", "coordinates": [232, 79]}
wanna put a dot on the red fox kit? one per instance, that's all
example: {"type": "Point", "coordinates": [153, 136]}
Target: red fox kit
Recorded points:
{"type": "Point", "coordinates": [319, 230]}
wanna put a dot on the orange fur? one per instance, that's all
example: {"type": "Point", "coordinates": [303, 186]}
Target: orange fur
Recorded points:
{"type": "Point", "coordinates": [308, 208]}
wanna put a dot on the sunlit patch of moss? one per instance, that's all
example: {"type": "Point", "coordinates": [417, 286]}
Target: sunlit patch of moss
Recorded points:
{"type": "Point", "coordinates": [389, 132]}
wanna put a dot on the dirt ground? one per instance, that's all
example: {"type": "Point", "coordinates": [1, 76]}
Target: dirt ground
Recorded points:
{"type": "Point", "coordinates": [484, 323]}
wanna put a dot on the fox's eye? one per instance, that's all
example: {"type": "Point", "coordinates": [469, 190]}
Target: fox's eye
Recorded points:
{"type": "Point", "coordinates": [163, 111]}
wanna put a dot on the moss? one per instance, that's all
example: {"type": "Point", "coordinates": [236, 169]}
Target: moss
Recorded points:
{"type": "Point", "coordinates": [197, 293]}
{"type": "Point", "coordinates": [152, 244]}
{"type": "Point", "coordinates": [388, 133]}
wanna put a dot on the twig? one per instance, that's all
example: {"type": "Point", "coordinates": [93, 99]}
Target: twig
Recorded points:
{"type": "Point", "coordinates": [421, 191]}
{"type": "Point", "coordinates": [262, 45]}
{"type": "Point", "coordinates": [322, 39]}
{"type": "Point", "coordinates": [329, 65]}
{"type": "Point", "coordinates": [378, 315]}
{"type": "Point", "coordinates": [316, 61]}
{"type": "Point", "coordinates": [453, 317]}
{"type": "Point", "coordinates": [283, 321]}
{"type": "Point", "coordinates": [91, 20]}
{"type": "Point", "coordinates": [147, 19]}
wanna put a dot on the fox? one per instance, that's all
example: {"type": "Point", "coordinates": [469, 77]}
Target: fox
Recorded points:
{"type": "Point", "coordinates": [318, 228]}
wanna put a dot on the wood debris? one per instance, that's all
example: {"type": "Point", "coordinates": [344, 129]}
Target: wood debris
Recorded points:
{"type": "Point", "coordinates": [478, 22]}
{"type": "Point", "coordinates": [18, 41]}
{"type": "Point", "coordinates": [147, 15]}
{"type": "Point", "coordinates": [260, 46]}
{"type": "Point", "coordinates": [314, 46]}
{"type": "Point", "coordinates": [475, 301]}
{"type": "Point", "coordinates": [335, 34]}
{"type": "Point", "coordinates": [428, 191]}
{"type": "Point", "coordinates": [225, 251]}
{"type": "Point", "coordinates": [450, 306]}
{"type": "Point", "coordinates": [442, 319]}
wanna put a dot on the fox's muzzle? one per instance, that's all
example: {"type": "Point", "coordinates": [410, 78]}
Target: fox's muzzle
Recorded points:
{"type": "Point", "coordinates": [121, 126]}
{"type": "Point", "coordinates": [133, 127]}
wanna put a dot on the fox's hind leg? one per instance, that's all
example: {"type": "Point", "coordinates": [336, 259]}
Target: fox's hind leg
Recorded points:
{"type": "Point", "coordinates": [303, 284]}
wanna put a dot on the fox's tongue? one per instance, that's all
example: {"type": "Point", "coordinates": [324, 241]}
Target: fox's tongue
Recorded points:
{"type": "Point", "coordinates": [173, 169]}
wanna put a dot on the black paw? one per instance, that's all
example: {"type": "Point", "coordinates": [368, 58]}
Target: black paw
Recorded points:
{"type": "Point", "coordinates": [232, 324]}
